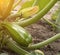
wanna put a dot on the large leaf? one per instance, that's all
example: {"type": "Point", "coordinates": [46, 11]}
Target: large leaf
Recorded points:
{"type": "Point", "coordinates": [42, 3]}
{"type": "Point", "coordinates": [27, 4]}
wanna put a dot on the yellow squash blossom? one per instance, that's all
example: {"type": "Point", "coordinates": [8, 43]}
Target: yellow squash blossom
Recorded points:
{"type": "Point", "coordinates": [5, 8]}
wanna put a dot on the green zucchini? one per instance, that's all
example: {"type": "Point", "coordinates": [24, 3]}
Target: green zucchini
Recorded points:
{"type": "Point", "coordinates": [18, 34]}
{"type": "Point", "coordinates": [14, 47]}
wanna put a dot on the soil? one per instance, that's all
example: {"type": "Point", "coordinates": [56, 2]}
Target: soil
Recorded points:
{"type": "Point", "coordinates": [42, 31]}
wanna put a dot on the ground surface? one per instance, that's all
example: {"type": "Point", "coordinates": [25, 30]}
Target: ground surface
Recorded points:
{"type": "Point", "coordinates": [42, 31]}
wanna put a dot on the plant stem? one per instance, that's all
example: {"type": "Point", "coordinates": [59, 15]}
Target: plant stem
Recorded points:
{"type": "Point", "coordinates": [37, 16]}
{"type": "Point", "coordinates": [46, 42]}
{"type": "Point", "coordinates": [14, 47]}
{"type": "Point", "coordinates": [49, 22]}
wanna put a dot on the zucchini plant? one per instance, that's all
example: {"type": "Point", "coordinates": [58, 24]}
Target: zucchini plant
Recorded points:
{"type": "Point", "coordinates": [12, 33]}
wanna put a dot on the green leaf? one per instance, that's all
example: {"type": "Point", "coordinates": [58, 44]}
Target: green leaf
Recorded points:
{"type": "Point", "coordinates": [42, 3]}
{"type": "Point", "coordinates": [27, 4]}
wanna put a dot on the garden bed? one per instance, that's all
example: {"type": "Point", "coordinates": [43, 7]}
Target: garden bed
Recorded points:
{"type": "Point", "coordinates": [42, 31]}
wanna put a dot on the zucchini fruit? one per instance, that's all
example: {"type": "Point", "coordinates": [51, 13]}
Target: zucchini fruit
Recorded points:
{"type": "Point", "coordinates": [14, 47]}
{"type": "Point", "coordinates": [18, 34]}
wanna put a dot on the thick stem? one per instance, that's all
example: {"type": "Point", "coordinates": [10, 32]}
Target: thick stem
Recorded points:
{"type": "Point", "coordinates": [46, 42]}
{"type": "Point", "coordinates": [37, 16]}
{"type": "Point", "coordinates": [14, 47]}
